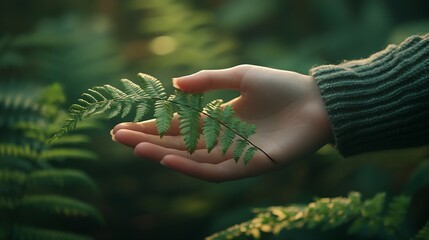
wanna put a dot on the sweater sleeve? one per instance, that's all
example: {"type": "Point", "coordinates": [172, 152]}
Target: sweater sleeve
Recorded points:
{"type": "Point", "coordinates": [381, 102]}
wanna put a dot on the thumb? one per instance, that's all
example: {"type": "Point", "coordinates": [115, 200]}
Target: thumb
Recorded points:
{"type": "Point", "coordinates": [207, 80]}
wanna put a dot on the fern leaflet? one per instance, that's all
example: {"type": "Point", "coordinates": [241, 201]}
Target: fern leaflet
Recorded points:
{"type": "Point", "coordinates": [59, 205]}
{"type": "Point", "coordinates": [60, 179]}
{"type": "Point", "coordinates": [212, 126]}
{"type": "Point", "coordinates": [189, 120]}
{"type": "Point", "coordinates": [163, 115]}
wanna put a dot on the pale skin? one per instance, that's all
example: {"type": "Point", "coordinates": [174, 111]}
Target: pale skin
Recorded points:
{"type": "Point", "coordinates": [286, 107]}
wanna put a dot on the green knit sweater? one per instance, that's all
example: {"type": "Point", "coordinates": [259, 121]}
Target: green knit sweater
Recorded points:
{"type": "Point", "coordinates": [381, 102]}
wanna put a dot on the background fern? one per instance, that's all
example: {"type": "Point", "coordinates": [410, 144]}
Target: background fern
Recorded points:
{"type": "Point", "coordinates": [37, 199]}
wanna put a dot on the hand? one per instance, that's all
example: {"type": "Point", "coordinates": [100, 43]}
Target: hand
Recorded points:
{"type": "Point", "coordinates": [286, 107]}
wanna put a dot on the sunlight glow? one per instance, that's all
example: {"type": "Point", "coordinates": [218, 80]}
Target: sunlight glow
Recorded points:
{"type": "Point", "coordinates": [163, 45]}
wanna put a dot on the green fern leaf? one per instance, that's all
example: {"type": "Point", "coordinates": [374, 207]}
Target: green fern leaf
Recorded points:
{"type": "Point", "coordinates": [227, 137]}
{"type": "Point", "coordinates": [60, 179]}
{"type": "Point", "coordinates": [325, 213]}
{"type": "Point", "coordinates": [25, 232]}
{"type": "Point", "coordinates": [12, 176]}
{"type": "Point", "coordinates": [141, 110]}
{"type": "Point", "coordinates": [163, 116]}
{"type": "Point", "coordinates": [189, 106]}
{"type": "Point", "coordinates": [212, 126]}
{"type": "Point", "coordinates": [153, 86]}
{"type": "Point", "coordinates": [59, 205]}
{"type": "Point", "coordinates": [132, 89]}
{"type": "Point", "coordinates": [71, 139]}
{"type": "Point", "coordinates": [241, 144]}
{"type": "Point", "coordinates": [66, 153]}
{"type": "Point", "coordinates": [245, 129]}
{"type": "Point", "coordinates": [25, 151]}
{"type": "Point", "coordinates": [249, 154]}
{"type": "Point", "coordinates": [114, 92]}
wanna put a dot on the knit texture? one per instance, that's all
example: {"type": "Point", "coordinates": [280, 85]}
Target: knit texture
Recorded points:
{"type": "Point", "coordinates": [381, 102]}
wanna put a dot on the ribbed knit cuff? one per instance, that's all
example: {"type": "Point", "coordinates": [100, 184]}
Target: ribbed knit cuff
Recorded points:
{"type": "Point", "coordinates": [381, 102]}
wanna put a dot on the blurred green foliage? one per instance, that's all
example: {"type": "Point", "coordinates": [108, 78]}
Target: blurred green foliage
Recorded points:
{"type": "Point", "coordinates": [84, 43]}
{"type": "Point", "coordinates": [39, 198]}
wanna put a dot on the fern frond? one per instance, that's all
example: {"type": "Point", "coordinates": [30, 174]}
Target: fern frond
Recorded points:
{"type": "Point", "coordinates": [106, 100]}
{"type": "Point", "coordinates": [18, 103]}
{"type": "Point", "coordinates": [324, 214]}
{"type": "Point", "coordinates": [56, 154]}
{"type": "Point", "coordinates": [219, 126]}
{"type": "Point", "coordinates": [27, 232]}
{"type": "Point", "coordinates": [60, 179]}
{"type": "Point", "coordinates": [25, 151]}
{"type": "Point", "coordinates": [70, 139]}
{"type": "Point", "coordinates": [59, 205]}
{"type": "Point", "coordinates": [12, 176]}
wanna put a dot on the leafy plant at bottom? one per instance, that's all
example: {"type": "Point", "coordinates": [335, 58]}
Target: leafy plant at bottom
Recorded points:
{"type": "Point", "coordinates": [326, 213]}
{"type": "Point", "coordinates": [219, 123]}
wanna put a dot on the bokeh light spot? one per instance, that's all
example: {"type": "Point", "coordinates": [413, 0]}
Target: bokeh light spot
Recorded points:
{"type": "Point", "coordinates": [163, 45]}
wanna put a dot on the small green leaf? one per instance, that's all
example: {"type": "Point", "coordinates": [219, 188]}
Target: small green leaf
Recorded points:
{"type": "Point", "coordinates": [141, 110]}
{"type": "Point", "coordinates": [163, 116]}
{"type": "Point", "coordinates": [153, 86]}
{"type": "Point", "coordinates": [59, 205]}
{"type": "Point", "coordinates": [241, 144]}
{"type": "Point", "coordinates": [249, 154]}
{"type": "Point", "coordinates": [212, 126]}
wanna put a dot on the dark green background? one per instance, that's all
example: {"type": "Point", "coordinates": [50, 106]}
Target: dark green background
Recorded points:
{"type": "Point", "coordinates": [80, 44]}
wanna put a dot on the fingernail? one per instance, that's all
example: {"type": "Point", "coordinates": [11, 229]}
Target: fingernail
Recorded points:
{"type": "Point", "coordinates": [111, 132]}
{"type": "Point", "coordinates": [175, 82]}
{"type": "Point", "coordinates": [113, 138]}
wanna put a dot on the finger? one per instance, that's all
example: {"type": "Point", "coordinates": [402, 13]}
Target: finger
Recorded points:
{"type": "Point", "coordinates": [131, 138]}
{"type": "Point", "coordinates": [206, 80]}
{"type": "Point", "coordinates": [157, 152]}
{"type": "Point", "coordinates": [224, 171]}
{"type": "Point", "coordinates": [148, 127]}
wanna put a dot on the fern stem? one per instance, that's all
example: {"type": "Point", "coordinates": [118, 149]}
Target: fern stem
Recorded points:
{"type": "Point", "coordinates": [222, 123]}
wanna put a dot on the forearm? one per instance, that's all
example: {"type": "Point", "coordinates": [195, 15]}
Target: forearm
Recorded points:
{"type": "Point", "coordinates": [381, 102]}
